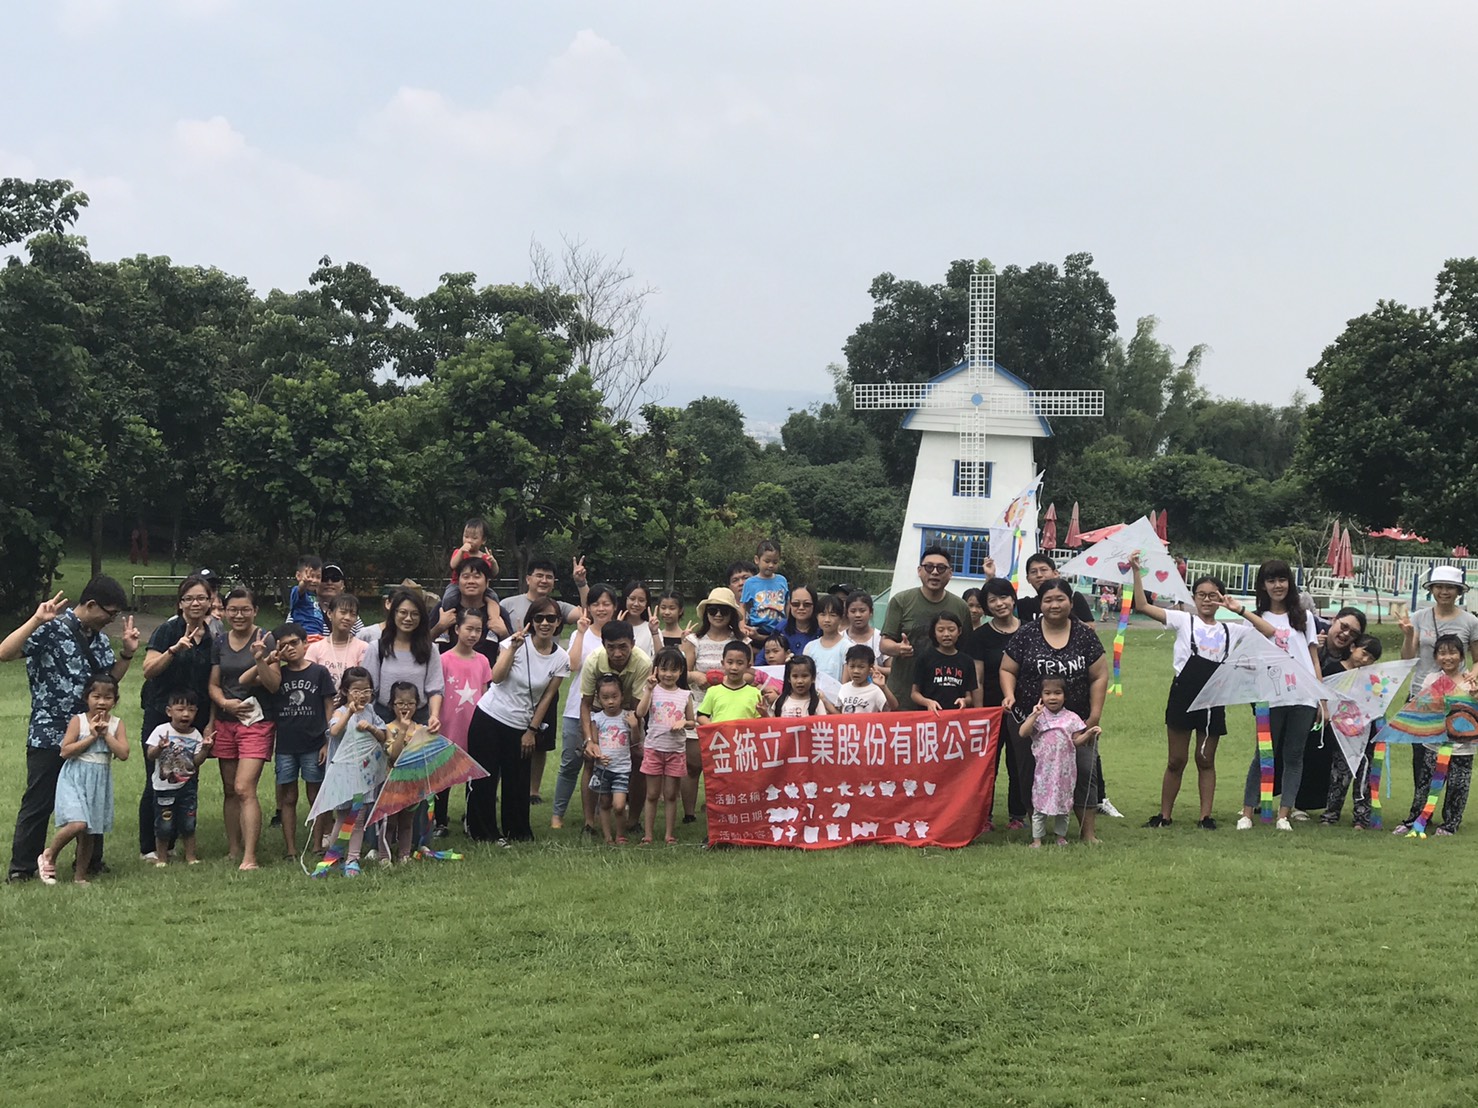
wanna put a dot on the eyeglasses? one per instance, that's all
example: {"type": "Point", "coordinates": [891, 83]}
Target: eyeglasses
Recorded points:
{"type": "Point", "coordinates": [194, 600]}
{"type": "Point", "coordinates": [1208, 596]}
{"type": "Point", "coordinates": [238, 611]}
{"type": "Point", "coordinates": [544, 617]}
{"type": "Point", "coordinates": [934, 567]}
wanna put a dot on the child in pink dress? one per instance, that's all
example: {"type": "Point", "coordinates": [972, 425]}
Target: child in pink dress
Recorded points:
{"type": "Point", "coordinates": [1056, 734]}
{"type": "Point", "coordinates": [467, 675]}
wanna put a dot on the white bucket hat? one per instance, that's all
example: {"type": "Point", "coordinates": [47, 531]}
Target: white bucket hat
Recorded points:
{"type": "Point", "coordinates": [1446, 575]}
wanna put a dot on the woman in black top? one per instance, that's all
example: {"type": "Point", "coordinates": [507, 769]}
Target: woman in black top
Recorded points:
{"type": "Point", "coordinates": [987, 645]}
{"type": "Point", "coordinates": [1058, 645]}
{"type": "Point", "coordinates": [177, 657]}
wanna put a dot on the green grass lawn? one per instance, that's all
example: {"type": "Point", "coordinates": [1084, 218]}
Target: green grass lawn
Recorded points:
{"type": "Point", "coordinates": [1178, 967]}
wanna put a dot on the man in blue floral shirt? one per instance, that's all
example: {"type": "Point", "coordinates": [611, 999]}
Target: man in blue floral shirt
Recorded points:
{"type": "Point", "coordinates": [63, 647]}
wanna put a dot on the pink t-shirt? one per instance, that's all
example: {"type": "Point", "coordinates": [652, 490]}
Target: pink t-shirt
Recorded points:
{"type": "Point", "coordinates": [466, 680]}
{"type": "Point", "coordinates": [335, 658]}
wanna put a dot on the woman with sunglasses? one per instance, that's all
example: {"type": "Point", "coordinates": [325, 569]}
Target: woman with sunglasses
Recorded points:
{"type": "Point", "coordinates": [177, 658]}
{"type": "Point", "coordinates": [531, 667]}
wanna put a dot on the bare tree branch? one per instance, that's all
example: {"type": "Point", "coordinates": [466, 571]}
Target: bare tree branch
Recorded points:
{"type": "Point", "coordinates": [611, 338]}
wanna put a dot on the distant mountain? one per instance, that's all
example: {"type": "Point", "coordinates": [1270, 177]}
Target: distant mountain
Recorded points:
{"type": "Point", "coordinates": [765, 410]}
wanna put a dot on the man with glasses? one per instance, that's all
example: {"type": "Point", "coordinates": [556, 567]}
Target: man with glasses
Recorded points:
{"type": "Point", "coordinates": [539, 583]}
{"type": "Point", "coordinates": [905, 630]}
{"type": "Point", "coordinates": [63, 647]}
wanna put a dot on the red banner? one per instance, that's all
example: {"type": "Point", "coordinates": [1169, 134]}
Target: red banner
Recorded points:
{"type": "Point", "coordinates": [899, 777]}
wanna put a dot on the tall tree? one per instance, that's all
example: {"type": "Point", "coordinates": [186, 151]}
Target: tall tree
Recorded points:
{"type": "Point", "coordinates": [1387, 441]}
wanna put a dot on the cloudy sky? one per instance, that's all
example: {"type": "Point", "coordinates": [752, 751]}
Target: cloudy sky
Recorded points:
{"type": "Point", "coordinates": [1252, 174]}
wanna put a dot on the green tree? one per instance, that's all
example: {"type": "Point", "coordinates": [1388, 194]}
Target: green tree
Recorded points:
{"type": "Point", "coordinates": [669, 461]}
{"type": "Point", "coordinates": [717, 426]}
{"type": "Point", "coordinates": [1387, 440]}
{"type": "Point", "coordinates": [1148, 398]}
{"type": "Point", "coordinates": [297, 462]}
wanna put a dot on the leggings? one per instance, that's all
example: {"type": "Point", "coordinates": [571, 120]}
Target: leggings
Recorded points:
{"type": "Point", "coordinates": [1039, 825]}
{"type": "Point", "coordinates": [571, 760]}
{"type": "Point", "coordinates": [1455, 795]}
{"type": "Point", "coordinates": [1340, 779]}
{"type": "Point", "coordinates": [1290, 726]}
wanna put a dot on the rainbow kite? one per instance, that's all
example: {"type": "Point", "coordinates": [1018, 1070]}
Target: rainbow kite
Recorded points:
{"type": "Point", "coordinates": [1126, 604]}
{"type": "Point", "coordinates": [1424, 717]}
{"type": "Point", "coordinates": [428, 764]}
{"type": "Point", "coordinates": [1264, 759]}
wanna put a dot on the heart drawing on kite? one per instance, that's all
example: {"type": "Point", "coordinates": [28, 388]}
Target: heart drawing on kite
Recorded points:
{"type": "Point", "coordinates": [1092, 560]}
{"type": "Point", "coordinates": [1162, 575]}
{"type": "Point", "coordinates": [1125, 567]}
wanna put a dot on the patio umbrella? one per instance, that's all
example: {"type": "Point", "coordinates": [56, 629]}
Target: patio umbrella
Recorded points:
{"type": "Point", "coordinates": [1331, 555]}
{"type": "Point", "coordinates": [1101, 533]}
{"type": "Point", "coordinates": [1344, 558]}
{"type": "Point", "coordinates": [1460, 552]}
{"type": "Point", "coordinates": [1162, 525]}
{"type": "Point", "coordinates": [1049, 528]}
{"type": "Point", "coordinates": [1074, 537]}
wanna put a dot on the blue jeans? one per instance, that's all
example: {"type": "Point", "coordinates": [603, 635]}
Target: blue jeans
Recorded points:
{"type": "Point", "coordinates": [571, 758]}
{"type": "Point", "coordinates": [174, 811]}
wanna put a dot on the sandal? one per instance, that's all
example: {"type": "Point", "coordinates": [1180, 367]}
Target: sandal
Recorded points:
{"type": "Point", "coordinates": [671, 840]}
{"type": "Point", "coordinates": [45, 869]}
{"type": "Point", "coordinates": [620, 840]}
{"type": "Point", "coordinates": [1157, 820]}
{"type": "Point", "coordinates": [351, 869]}
{"type": "Point", "coordinates": [646, 840]}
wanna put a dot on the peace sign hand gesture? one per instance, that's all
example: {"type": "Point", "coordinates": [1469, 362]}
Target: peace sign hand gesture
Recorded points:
{"type": "Point", "coordinates": [577, 570]}
{"type": "Point", "coordinates": [130, 636]}
{"type": "Point", "coordinates": [48, 610]}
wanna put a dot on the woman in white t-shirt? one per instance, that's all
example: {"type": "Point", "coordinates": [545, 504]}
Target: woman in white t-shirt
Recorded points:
{"type": "Point", "coordinates": [1202, 643]}
{"type": "Point", "coordinates": [1423, 627]}
{"type": "Point", "coordinates": [1281, 605]}
{"type": "Point", "coordinates": [501, 735]}
{"type": "Point", "coordinates": [600, 608]}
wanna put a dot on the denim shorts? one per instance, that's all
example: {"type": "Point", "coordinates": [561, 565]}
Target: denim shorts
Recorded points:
{"type": "Point", "coordinates": [289, 767]}
{"type": "Point", "coordinates": [174, 811]}
{"type": "Point", "coordinates": [604, 782]}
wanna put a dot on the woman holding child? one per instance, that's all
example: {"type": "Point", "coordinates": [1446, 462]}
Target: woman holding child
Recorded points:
{"type": "Point", "coordinates": [1058, 645]}
{"type": "Point", "coordinates": [177, 658]}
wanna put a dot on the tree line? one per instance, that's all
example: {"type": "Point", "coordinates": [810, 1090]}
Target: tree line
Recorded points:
{"type": "Point", "coordinates": [363, 423]}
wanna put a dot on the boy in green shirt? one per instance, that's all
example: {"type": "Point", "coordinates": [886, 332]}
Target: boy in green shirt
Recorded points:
{"type": "Point", "coordinates": [735, 697]}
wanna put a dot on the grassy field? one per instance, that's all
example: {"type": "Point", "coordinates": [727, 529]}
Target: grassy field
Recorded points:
{"type": "Point", "coordinates": [1176, 967]}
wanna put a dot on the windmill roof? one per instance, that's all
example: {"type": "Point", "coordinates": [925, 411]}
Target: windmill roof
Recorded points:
{"type": "Point", "coordinates": [1003, 378]}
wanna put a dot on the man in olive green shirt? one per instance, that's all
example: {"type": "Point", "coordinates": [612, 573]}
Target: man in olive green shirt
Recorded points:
{"type": "Point", "coordinates": [905, 630]}
{"type": "Point", "coordinates": [620, 655]}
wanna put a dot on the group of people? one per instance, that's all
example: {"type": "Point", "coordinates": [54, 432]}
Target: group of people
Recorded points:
{"type": "Point", "coordinates": [488, 672]}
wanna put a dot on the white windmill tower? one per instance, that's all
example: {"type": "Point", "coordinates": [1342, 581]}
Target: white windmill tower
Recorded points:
{"type": "Point", "coordinates": [979, 423]}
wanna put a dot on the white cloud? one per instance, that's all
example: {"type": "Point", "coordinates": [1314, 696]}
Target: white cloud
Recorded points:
{"type": "Point", "coordinates": [211, 140]}
{"type": "Point", "coordinates": [591, 105]}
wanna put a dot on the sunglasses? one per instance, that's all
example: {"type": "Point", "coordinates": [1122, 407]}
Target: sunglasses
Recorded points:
{"type": "Point", "coordinates": [544, 617]}
{"type": "Point", "coordinates": [931, 567]}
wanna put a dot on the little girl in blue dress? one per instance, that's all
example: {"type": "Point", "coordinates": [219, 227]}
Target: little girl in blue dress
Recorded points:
{"type": "Point", "coordinates": [84, 790]}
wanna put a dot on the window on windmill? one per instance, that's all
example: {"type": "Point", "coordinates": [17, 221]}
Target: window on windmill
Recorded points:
{"type": "Point", "coordinates": [967, 549]}
{"type": "Point", "coordinates": [972, 478]}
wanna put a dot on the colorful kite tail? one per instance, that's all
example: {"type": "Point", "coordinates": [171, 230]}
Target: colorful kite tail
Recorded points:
{"type": "Point", "coordinates": [1439, 779]}
{"type": "Point", "coordinates": [1372, 783]}
{"type": "Point", "coordinates": [1126, 604]}
{"type": "Point", "coordinates": [340, 846]}
{"type": "Point", "coordinates": [1264, 760]}
{"type": "Point", "coordinates": [426, 854]}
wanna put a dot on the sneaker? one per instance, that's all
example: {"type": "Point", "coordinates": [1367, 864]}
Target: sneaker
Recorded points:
{"type": "Point", "coordinates": [152, 856]}
{"type": "Point", "coordinates": [16, 876]}
{"type": "Point", "coordinates": [1106, 808]}
{"type": "Point", "coordinates": [1244, 823]}
{"type": "Point", "coordinates": [1329, 819]}
{"type": "Point", "coordinates": [45, 869]}
{"type": "Point", "coordinates": [351, 869]}
{"type": "Point", "coordinates": [1156, 820]}
{"type": "Point", "coordinates": [1207, 824]}
{"type": "Point", "coordinates": [276, 819]}
{"type": "Point", "coordinates": [505, 844]}
{"type": "Point", "coordinates": [1283, 824]}
{"type": "Point", "coordinates": [535, 798]}
{"type": "Point", "coordinates": [1062, 840]}
{"type": "Point", "coordinates": [1402, 829]}
{"type": "Point", "coordinates": [1443, 831]}
{"type": "Point", "coordinates": [1016, 825]}
{"type": "Point", "coordinates": [690, 819]}
{"type": "Point", "coordinates": [371, 855]}
{"type": "Point", "coordinates": [1299, 814]}
{"type": "Point", "coordinates": [441, 831]}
